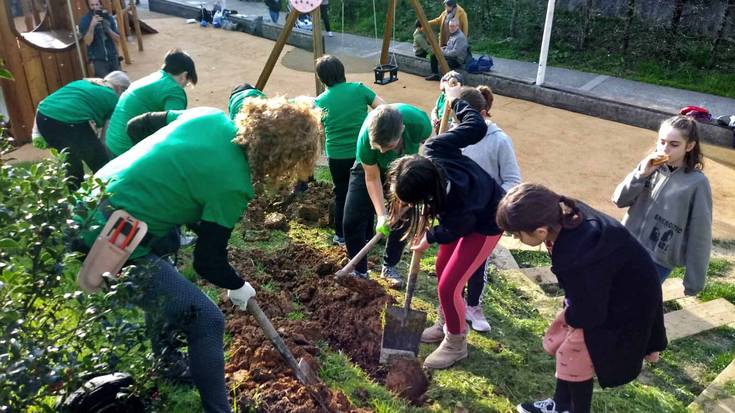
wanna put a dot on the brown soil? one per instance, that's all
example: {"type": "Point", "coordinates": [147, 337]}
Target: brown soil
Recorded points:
{"type": "Point", "coordinates": [344, 312]}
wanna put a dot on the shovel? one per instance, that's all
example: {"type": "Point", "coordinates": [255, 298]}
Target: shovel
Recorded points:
{"type": "Point", "coordinates": [403, 326]}
{"type": "Point", "coordinates": [360, 255]}
{"type": "Point", "coordinates": [301, 369]}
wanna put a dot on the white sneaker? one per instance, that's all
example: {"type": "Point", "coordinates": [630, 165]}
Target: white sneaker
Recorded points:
{"type": "Point", "coordinates": [477, 319]}
{"type": "Point", "coordinates": [541, 406]}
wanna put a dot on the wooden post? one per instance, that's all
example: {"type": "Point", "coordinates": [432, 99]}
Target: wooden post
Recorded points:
{"type": "Point", "coordinates": [388, 31]}
{"type": "Point", "coordinates": [443, 66]}
{"type": "Point", "coordinates": [136, 24]}
{"type": "Point", "coordinates": [316, 35]}
{"type": "Point", "coordinates": [277, 49]}
{"type": "Point", "coordinates": [122, 29]}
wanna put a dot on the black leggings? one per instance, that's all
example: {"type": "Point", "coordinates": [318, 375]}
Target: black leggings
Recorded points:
{"type": "Point", "coordinates": [475, 286]}
{"type": "Point", "coordinates": [324, 11]}
{"type": "Point", "coordinates": [340, 170]}
{"type": "Point", "coordinates": [80, 142]}
{"type": "Point", "coordinates": [576, 397]}
{"type": "Point", "coordinates": [452, 62]}
{"type": "Point", "coordinates": [358, 222]}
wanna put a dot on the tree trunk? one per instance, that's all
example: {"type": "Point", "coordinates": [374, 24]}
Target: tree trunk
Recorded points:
{"type": "Point", "coordinates": [628, 26]}
{"type": "Point", "coordinates": [586, 25]}
{"type": "Point", "coordinates": [726, 17]}
{"type": "Point", "coordinates": [674, 26]}
{"type": "Point", "coordinates": [514, 19]}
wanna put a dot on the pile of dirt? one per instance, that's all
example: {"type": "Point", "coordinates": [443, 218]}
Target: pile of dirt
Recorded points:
{"type": "Point", "coordinates": [314, 207]}
{"type": "Point", "coordinates": [307, 305]}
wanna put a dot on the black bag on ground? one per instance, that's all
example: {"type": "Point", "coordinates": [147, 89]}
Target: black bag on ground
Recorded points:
{"type": "Point", "coordinates": [104, 394]}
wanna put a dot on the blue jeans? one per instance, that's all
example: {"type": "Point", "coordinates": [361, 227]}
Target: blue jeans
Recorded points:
{"type": "Point", "coordinates": [274, 15]}
{"type": "Point", "coordinates": [663, 272]}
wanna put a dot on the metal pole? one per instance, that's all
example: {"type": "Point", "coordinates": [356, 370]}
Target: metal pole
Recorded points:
{"type": "Point", "coordinates": [541, 75]}
{"type": "Point", "coordinates": [76, 39]}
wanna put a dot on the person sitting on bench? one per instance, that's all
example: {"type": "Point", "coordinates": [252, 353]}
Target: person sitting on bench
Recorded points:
{"type": "Point", "coordinates": [455, 52]}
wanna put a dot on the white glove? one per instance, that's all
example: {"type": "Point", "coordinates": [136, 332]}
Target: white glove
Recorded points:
{"type": "Point", "coordinates": [242, 295]}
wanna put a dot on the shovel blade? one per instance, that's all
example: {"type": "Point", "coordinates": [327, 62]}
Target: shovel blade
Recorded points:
{"type": "Point", "coordinates": [401, 333]}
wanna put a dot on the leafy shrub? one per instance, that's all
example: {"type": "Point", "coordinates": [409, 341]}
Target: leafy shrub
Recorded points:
{"type": "Point", "coordinates": [52, 336]}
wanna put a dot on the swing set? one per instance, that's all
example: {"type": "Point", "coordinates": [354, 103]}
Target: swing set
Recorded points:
{"type": "Point", "coordinates": [383, 68]}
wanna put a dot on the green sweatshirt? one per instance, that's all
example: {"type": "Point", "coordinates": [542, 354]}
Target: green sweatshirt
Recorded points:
{"type": "Point", "coordinates": [671, 215]}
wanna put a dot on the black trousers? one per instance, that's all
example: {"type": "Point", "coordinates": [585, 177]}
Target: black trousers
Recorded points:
{"type": "Point", "coordinates": [340, 170]}
{"type": "Point", "coordinates": [80, 142]}
{"type": "Point", "coordinates": [451, 61]}
{"type": "Point", "coordinates": [576, 397]}
{"type": "Point", "coordinates": [324, 11]}
{"type": "Point", "coordinates": [475, 285]}
{"type": "Point", "coordinates": [358, 222]}
{"type": "Point", "coordinates": [104, 67]}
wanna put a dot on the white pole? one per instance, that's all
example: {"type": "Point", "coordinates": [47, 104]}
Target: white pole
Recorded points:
{"type": "Point", "coordinates": [76, 39]}
{"type": "Point", "coordinates": [545, 43]}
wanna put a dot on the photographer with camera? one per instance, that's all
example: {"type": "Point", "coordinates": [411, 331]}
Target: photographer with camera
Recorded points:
{"type": "Point", "coordinates": [100, 33]}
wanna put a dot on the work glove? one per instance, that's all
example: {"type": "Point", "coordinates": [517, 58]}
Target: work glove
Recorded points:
{"type": "Point", "coordinates": [383, 226]}
{"type": "Point", "coordinates": [242, 295]}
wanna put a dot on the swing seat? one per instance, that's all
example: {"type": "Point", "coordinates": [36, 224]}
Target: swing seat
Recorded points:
{"type": "Point", "coordinates": [381, 70]}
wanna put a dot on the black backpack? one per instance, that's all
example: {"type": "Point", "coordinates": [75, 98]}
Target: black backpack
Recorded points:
{"type": "Point", "coordinates": [104, 394]}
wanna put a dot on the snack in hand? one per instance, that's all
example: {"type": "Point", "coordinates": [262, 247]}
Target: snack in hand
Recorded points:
{"type": "Point", "coordinates": [660, 159]}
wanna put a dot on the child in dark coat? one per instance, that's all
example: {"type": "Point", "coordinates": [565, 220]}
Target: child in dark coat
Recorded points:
{"type": "Point", "coordinates": [613, 315]}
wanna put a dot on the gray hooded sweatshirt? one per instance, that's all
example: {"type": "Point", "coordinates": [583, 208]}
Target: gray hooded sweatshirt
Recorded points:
{"type": "Point", "coordinates": [494, 153]}
{"type": "Point", "coordinates": [671, 215]}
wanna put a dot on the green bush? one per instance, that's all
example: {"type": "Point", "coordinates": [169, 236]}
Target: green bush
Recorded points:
{"type": "Point", "coordinates": [54, 337]}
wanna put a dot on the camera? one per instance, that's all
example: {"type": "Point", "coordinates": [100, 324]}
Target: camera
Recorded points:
{"type": "Point", "coordinates": [101, 13]}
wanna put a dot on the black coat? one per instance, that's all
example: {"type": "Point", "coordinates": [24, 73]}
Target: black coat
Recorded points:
{"type": "Point", "coordinates": [613, 293]}
{"type": "Point", "coordinates": [473, 195]}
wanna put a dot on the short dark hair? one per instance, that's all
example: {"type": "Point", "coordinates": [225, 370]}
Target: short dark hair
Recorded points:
{"type": "Point", "coordinates": [178, 61]}
{"type": "Point", "coordinates": [418, 23]}
{"type": "Point", "coordinates": [330, 70]}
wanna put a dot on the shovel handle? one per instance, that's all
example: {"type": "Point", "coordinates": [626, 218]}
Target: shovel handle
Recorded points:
{"type": "Point", "coordinates": [275, 338]}
{"type": "Point", "coordinates": [360, 255]}
{"type": "Point", "coordinates": [413, 273]}
{"type": "Point", "coordinates": [445, 118]}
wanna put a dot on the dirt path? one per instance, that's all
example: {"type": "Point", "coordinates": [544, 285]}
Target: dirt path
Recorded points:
{"type": "Point", "coordinates": [577, 155]}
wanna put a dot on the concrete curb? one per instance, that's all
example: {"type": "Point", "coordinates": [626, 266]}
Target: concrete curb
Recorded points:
{"type": "Point", "coordinates": [572, 100]}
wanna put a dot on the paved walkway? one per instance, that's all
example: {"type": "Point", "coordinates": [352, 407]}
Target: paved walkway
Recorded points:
{"type": "Point", "coordinates": [662, 98]}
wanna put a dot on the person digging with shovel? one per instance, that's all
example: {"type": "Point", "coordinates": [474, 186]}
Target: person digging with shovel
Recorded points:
{"type": "Point", "coordinates": [388, 132]}
{"type": "Point", "coordinates": [449, 186]}
{"type": "Point", "coordinates": [200, 169]}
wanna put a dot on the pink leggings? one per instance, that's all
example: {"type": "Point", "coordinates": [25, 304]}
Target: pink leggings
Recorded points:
{"type": "Point", "coordinates": [455, 264]}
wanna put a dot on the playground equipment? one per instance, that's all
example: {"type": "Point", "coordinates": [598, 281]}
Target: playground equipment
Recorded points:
{"type": "Point", "coordinates": [41, 49]}
{"type": "Point", "coordinates": [297, 6]}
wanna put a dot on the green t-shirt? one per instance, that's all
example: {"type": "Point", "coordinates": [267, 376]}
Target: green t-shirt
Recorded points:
{"type": "Point", "coordinates": [440, 106]}
{"type": "Point", "coordinates": [153, 93]}
{"type": "Point", "coordinates": [235, 103]}
{"type": "Point", "coordinates": [179, 175]}
{"type": "Point", "coordinates": [80, 101]}
{"type": "Point", "coordinates": [344, 107]}
{"type": "Point", "coordinates": [417, 129]}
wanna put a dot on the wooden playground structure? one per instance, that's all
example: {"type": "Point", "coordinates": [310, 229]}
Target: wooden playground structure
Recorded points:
{"type": "Point", "coordinates": [312, 7]}
{"type": "Point", "coordinates": [44, 51]}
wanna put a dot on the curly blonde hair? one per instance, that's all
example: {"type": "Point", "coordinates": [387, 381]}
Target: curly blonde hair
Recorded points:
{"type": "Point", "coordinates": [281, 139]}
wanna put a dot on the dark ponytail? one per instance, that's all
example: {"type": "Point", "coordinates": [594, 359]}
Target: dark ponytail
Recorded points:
{"type": "Point", "coordinates": [528, 207]}
{"type": "Point", "coordinates": [416, 183]}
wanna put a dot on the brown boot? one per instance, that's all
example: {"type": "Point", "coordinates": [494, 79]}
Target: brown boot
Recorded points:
{"type": "Point", "coordinates": [452, 349]}
{"type": "Point", "coordinates": [435, 333]}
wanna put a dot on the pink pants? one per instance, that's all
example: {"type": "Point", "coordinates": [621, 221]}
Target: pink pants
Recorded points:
{"type": "Point", "coordinates": [455, 264]}
{"type": "Point", "coordinates": [567, 344]}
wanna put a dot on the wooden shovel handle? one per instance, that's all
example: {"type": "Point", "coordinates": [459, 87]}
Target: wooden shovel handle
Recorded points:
{"type": "Point", "coordinates": [445, 117]}
{"type": "Point", "coordinates": [275, 338]}
{"type": "Point", "coordinates": [413, 272]}
{"type": "Point", "coordinates": [360, 255]}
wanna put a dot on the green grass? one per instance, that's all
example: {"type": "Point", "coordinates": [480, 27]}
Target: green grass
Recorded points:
{"type": "Point", "coordinates": [322, 174]}
{"type": "Point", "coordinates": [530, 259]}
